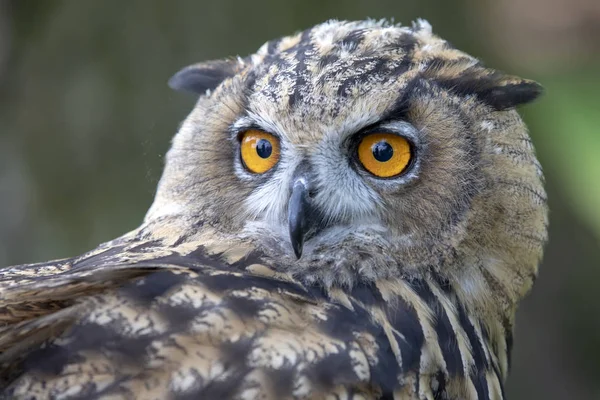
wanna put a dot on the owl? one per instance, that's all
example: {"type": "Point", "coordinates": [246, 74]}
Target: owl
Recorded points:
{"type": "Point", "coordinates": [352, 212]}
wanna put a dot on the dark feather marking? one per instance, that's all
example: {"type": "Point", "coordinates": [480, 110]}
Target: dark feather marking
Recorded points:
{"type": "Point", "coordinates": [437, 65]}
{"type": "Point", "coordinates": [401, 68]}
{"type": "Point", "coordinates": [367, 293]}
{"type": "Point", "coordinates": [181, 315]}
{"type": "Point", "coordinates": [352, 39]}
{"type": "Point", "coordinates": [509, 345]}
{"type": "Point", "coordinates": [418, 382]}
{"type": "Point", "coordinates": [386, 371]}
{"type": "Point", "coordinates": [89, 336]}
{"type": "Point", "coordinates": [342, 322]}
{"type": "Point", "coordinates": [184, 236]}
{"type": "Point", "coordinates": [481, 386]}
{"type": "Point", "coordinates": [196, 260]}
{"type": "Point", "coordinates": [148, 288]}
{"type": "Point", "coordinates": [344, 88]}
{"type": "Point", "coordinates": [327, 59]}
{"type": "Point", "coordinates": [144, 246]}
{"type": "Point", "coordinates": [303, 48]}
{"type": "Point", "coordinates": [53, 358]}
{"type": "Point", "coordinates": [282, 380]}
{"type": "Point", "coordinates": [94, 260]}
{"type": "Point", "coordinates": [254, 257]}
{"type": "Point", "coordinates": [405, 320]}
{"type": "Point", "coordinates": [442, 282]}
{"type": "Point", "coordinates": [245, 307]}
{"type": "Point", "coordinates": [408, 43]}
{"type": "Point", "coordinates": [494, 364]}
{"type": "Point", "coordinates": [236, 352]}
{"type": "Point", "coordinates": [481, 363]}
{"type": "Point", "coordinates": [446, 335]}
{"type": "Point", "coordinates": [381, 67]}
{"type": "Point", "coordinates": [439, 392]}
{"type": "Point", "coordinates": [49, 360]}
{"type": "Point", "coordinates": [332, 370]}
{"type": "Point", "coordinates": [225, 282]}
{"type": "Point", "coordinates": [401, 107]}
{"type": "Point", "coordinates": [90, 392]}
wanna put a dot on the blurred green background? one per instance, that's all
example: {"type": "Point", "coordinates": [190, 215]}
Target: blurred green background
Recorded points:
{"type": "Point", "coordinates": [86, 117]}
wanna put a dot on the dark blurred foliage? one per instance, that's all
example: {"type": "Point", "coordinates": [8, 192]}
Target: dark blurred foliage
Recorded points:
{"type": "Point", "coordinates": [86, 116]}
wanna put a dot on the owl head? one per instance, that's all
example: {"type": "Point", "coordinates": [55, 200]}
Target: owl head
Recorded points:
{"type": "Point", "coordinates": [360, 151]}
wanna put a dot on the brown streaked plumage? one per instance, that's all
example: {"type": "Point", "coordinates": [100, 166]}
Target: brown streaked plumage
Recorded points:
{"type": "Point", "coordinates": [406, 287]}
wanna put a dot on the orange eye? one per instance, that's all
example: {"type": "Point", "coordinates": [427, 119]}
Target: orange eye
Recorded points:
{"type": "Point", "coordinates": [260, 151]}
{"type": "Point", "coordinates": [384, 154]}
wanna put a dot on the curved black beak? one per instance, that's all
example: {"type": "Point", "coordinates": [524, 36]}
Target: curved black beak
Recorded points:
{"type": "Point", "coordinates": [299, 210]}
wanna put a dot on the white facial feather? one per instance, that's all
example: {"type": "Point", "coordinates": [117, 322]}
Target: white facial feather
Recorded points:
{"type": "Point", "coordinates": [269, 201]}
{"type": "Point", "coordinates": [342, 194]}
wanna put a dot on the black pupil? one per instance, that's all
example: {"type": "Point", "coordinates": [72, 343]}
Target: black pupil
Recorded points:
{"type": "Point", "coordinates": [382, 151]}
{"type": "Point", "coordinates": [264, 148]}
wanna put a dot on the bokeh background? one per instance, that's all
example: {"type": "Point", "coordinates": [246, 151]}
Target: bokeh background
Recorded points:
{"type": "Point", "coordinates": [86, 117]}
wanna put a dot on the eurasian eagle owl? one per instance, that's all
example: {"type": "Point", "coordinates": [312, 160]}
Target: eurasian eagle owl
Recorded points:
{"type": "Point", "coordinates": [352, 212]}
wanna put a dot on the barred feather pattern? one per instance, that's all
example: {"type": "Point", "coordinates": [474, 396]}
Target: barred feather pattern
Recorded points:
{"type": "Point", "coordinates": [141, 319]}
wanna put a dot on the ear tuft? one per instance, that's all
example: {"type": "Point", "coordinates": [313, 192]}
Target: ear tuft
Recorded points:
{"type": "Point", "coordinates": [511, 94]}
{"type": "Point", "coordinates": [497, 90]}
{"type": "Point", "coordinates": [198, 78]}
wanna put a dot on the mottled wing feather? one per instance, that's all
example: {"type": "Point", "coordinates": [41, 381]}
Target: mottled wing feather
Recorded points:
{"type": "Point", "coordinates": [179, 332]}
{"type": "Point", "coordinates": [147, 321]}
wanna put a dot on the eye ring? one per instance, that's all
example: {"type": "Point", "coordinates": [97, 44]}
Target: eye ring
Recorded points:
{"type": "Point", "coordinates": [259, 150]}
{"type": "Point", "coordinates": [385, 155]}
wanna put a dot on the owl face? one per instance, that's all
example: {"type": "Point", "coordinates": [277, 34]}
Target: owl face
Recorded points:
{"type": "Point", "coordinates": [357, 151]}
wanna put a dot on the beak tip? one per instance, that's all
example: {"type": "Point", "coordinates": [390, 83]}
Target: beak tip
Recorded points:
{"type": "Point", "coordinates": [298, 252]}
{"type": "Point", "coordinates": [298, 213]}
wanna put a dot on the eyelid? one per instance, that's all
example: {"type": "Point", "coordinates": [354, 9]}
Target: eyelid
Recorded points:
{"type": "Point", "coordinates": [400, 128]}
{"type": "Point", "coordinates": [239, 134]}
{"type": "Point", "coordinates": [246, 123]}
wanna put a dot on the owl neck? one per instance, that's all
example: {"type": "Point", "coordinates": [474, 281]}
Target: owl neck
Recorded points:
{"type": "Point", "coordinates": [432, 330]}
{"type": "Point", "coordinates": [458, 322]}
